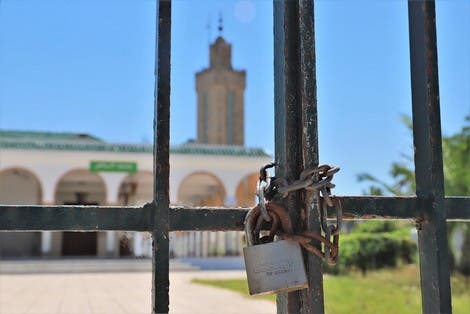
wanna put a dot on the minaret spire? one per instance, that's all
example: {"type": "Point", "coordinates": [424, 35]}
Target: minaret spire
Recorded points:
{"type": "Point", "coordinates": [208, 28]}
{"type": "Point", "coordinates": [220, 96]}
{"type": "Point", "coordinates": [221, 24]}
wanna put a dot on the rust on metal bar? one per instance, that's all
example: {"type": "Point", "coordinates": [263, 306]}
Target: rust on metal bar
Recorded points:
{"type": "Point", "coordinates": [379, 207]}
{"type": "Point", "coordinates": [296, 131]}
{"type": "Point", "coordinates": [287, 146]}
{"type": "Point", "coordinates": [432, 234]}
{"type": "Point", "coordinates": [139, 218]}
{"type": "Point", "coordinates": [312, 299]}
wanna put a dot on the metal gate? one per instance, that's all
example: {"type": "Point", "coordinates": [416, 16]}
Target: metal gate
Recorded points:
{"type": "Point", "coordinates": [296, 148]}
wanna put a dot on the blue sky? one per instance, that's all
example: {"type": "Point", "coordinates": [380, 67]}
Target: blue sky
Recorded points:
{"type": "Point", "coordinates": [88, 66]}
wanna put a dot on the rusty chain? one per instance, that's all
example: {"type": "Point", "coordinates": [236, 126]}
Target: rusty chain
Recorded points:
{"type": "Point", "coordinates": [268, 187]}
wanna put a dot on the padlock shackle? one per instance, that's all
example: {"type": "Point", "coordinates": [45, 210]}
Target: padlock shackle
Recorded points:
{"type": "Point", "coordinates": [272, 232]}
{"type": "Point", "coordinates": [253, 222]}
{"type": "Point", "coordinates": [249, 226]}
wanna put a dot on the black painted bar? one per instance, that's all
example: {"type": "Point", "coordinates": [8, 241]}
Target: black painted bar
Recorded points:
{"type": "Point", "coordinates": [207, 218]}
{"type": "Point", "coordinates": [74, 218]}
{"type": "Point", "coordinates": [101, 218]}
{"type": "Point", "coordinates": [457, 208]}
{"type": "Point", "coordinates": [296, 148]}
{"type": "Point", "coordinates": [312, 299]}
{"type": "Point", "coordinates": [432, 234]}
{"type": "Point", "coordinates": [296, 131]}
{"type": "Point", "coordinates": [161, 165]}
{"type": "Point", "coordinates": [286, 65]}
{"type": "Point", "coordinates": [380, 207]}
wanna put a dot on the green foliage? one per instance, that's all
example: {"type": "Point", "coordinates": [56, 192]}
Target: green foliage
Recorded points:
{"type": "Point", "coordinates": [456, 163]}
{"type": "Point", "coordinates": [374, 250]}
{"type": "Point", "coordinates": [376, 226]}
{"type": "Point", "coordinates": [404, 181]}
{"type": "Point", "coordinates": [456, 155]}
{"type": "Point", "coordinates": [456, 158]}
{"type": "Point", "coordinates": [464, 265]}
{"type": "Point", "coordinates": [401, 172]}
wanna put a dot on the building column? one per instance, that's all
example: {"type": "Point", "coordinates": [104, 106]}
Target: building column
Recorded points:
{"type": "Point", "coordinates": [230, 243]}
{"type": "Point", "coordinates": [176, 244]}
{"type": "Point", "coordinates": [137, 244]}
{"type": "Point", "coordinates": [221, 243]}
{"type": "Point", "coordinates": [213, 243]}
{"type": "Point", "coordinates": [183, 244]}
{"type": "Point", "coordinates": [110, 243]}
{"type": "Point", "coordinates": [46, 243]}
{"type": "Point", "coordinates": [190, 244]}
{"type": "Point", "coordinates": [147, 245]}
{"type": "Point", "coordinates": [204, 244]}
{"type": "Point", "coordinates": [56, 243]}
{"type": "Point", "coordinates": [149, 248]}
{"type": "Point", "coordinates": [240, 242]}
{"type": "Point", "coordinates": [198, 244]}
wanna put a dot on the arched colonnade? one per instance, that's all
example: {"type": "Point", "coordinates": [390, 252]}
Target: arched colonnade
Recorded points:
{"type": "Point", "coordinates": [20, 185]}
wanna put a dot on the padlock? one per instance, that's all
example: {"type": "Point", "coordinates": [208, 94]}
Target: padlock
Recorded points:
{"type": "Point", "coordinates": [272, 267]}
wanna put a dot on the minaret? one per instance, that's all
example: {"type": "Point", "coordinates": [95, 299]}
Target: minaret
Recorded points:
{"type": "Point", "coordinates": [220, 97]}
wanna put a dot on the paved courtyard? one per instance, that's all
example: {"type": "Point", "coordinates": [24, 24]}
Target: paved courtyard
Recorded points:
{"type": "Point", "coordinates": [115, 293]}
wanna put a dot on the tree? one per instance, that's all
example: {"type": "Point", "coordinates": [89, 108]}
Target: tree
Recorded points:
{"type": "Point", "coordinates": [456, 160]}
{"type": "Point", "coordinates": [456, 153]}
{"type": "Point", "coordinates": [464, 265]}
{"type": "Point", "coordinates": [402, 174]}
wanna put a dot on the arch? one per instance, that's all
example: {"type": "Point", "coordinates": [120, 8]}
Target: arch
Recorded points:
{"type": "Point", "coordinates": [20, 186]}
{"type": "Point", "coordinates": [201, 189]}
{"type": "Point", "coordinates": [80, 186]}
{"type": "Point", "coordinates": [246, 190]}
{"type": "Point", "coordinates": [136, 189]}
{"type": "Point", "coordinates": [14, 182]}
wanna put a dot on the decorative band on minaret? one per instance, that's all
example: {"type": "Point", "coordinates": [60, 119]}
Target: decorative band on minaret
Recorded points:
{"type": "Point", "coordinates": [220, 97]}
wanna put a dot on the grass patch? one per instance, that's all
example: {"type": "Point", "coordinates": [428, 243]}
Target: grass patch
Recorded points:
{"type": "Point", "coordinates": [238, 285]}
{"type": "Point", "coordinates": [383, 291]}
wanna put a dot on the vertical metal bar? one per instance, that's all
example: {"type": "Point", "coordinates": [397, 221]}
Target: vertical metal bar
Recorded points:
{"type": "Point", "coordinates": [287, 144]}
{"type": "Point", "coordinates": [296, 130]}
{"type": "Point", "coordinates": [312, 298]}
{"type": "Point", "coordinates": [432, 234]}
{"type": "Point", "coordinates": [160, 260]}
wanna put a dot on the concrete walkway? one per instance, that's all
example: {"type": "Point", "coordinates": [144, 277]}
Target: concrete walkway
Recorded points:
{"type": "Point", "coordinates": [90, 265]}
{"type": "Point", "coordinates": [115, 293]}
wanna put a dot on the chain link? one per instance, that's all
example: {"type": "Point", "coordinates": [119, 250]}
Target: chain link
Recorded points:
{"type": "Point", "coordinates": [317, 179]}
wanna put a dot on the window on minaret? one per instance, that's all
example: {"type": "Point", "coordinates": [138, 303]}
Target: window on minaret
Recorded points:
{"type": "Point", "coordinates": [230, 117]}
{"type": "Point", "coordinates": [205, 117]}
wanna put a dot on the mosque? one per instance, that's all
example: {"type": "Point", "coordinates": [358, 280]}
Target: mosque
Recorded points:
{"type": "Point", "coordinates": [70, 169]}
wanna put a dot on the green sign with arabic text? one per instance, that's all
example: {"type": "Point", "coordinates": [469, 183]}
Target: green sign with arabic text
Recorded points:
{"type": "Point", "coordinates": [113, 166]}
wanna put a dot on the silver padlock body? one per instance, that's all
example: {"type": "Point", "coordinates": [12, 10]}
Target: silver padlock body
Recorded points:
{"type": "Point", "coordinates": [275, 267]}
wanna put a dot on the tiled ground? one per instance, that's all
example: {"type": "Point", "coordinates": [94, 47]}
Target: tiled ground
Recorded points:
{"type": "Point", "coordinates": [115, 293]}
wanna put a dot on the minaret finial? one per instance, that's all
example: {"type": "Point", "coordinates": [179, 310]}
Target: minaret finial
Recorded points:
{"type": "Point", "coordinates": [221, 24]}
{"type": "Point", "coordinates": [208, 28]}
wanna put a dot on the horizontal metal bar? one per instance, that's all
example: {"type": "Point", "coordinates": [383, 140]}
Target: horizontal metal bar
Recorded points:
{"type": "Point", "coordinates": [98, 218]}
{"type": "Point", "coordinates": [378, 207]}
{"type": "Point", "coordinates": [74, 218]}
{"type": "Point", "coordinates": [457, 208]}
{"type": "Point", "coordinates": [207, 218]}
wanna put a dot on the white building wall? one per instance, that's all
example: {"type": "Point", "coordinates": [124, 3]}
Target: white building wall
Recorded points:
{"type": "Point", "coordinates": [50, 166]}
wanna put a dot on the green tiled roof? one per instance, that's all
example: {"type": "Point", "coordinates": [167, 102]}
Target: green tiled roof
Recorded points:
{"type": "Point", "coordinates": [48, 136]}
{"type": "Point", "coordinates": [205, 149]}
{"type": "Point", "coordinates": [84, 142]}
